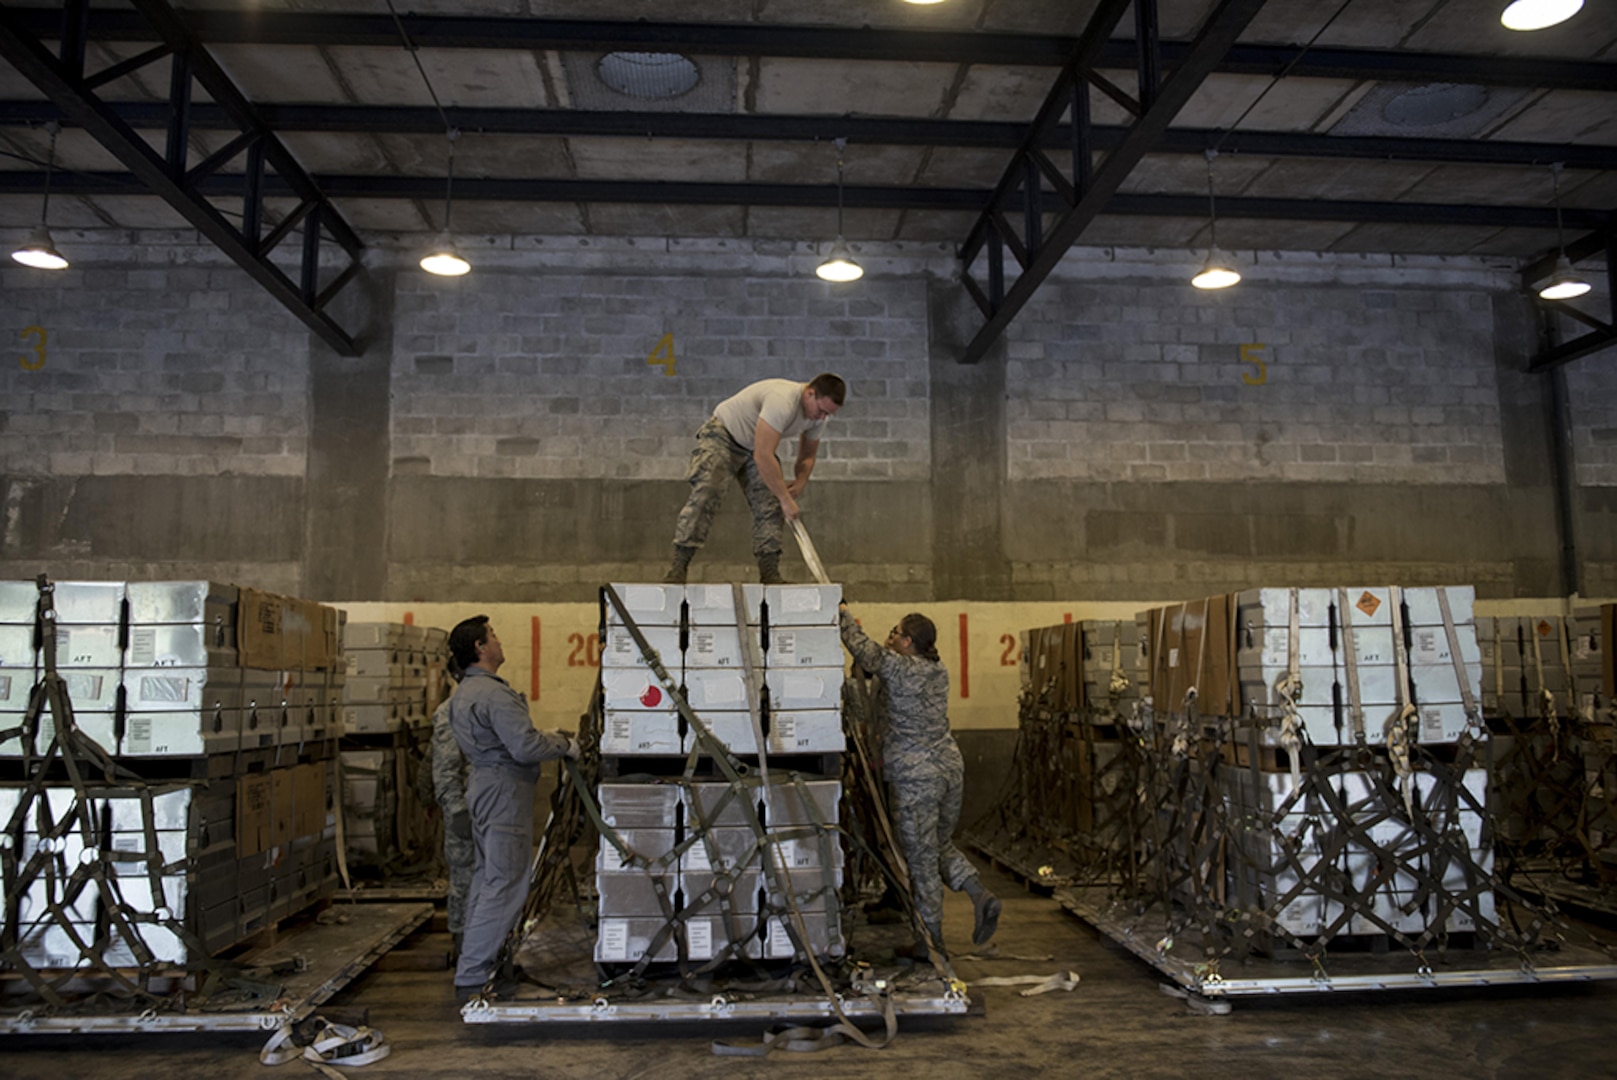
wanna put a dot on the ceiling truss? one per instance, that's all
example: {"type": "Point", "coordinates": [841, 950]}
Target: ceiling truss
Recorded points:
{"type": "Point", "coordinates": [171, 176]}
{"type": "Point", "coordinates": [1064, 171]}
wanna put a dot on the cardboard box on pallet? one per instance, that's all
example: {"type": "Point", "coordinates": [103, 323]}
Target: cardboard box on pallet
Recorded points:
{"type": "Point", "coordinates": [1193, 645]}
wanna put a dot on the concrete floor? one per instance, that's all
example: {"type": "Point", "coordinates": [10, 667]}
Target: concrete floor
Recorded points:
{"type": "Point", "coordinates": [1115, 1024]}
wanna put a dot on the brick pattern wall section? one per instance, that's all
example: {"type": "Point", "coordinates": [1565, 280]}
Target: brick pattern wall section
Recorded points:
{"type": "Point", "coordinates": [1144, 381]}
{"type": "Point", "coordinates": [1592, 394]}
{"type": "Point", "coordinates": [545, 374]}
{"type": "Point", "coordinates": [151, 370]}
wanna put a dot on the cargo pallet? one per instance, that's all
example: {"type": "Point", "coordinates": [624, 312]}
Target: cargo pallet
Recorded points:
{"type": "Point", "coordinates": [1347, 972]}
{"type": "Point", "coordinates": [335, 953]}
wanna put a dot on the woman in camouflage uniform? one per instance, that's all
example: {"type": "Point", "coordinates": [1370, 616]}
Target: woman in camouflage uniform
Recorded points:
{"type": "Point", "coordinates": [924, 769]}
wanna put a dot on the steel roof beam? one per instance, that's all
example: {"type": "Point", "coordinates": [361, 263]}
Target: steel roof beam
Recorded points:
{"type": "Point", "coordinates": [165, 177]}
{"type": "Point", "coordinates": [830, 43]}
{"type": "Point", "coordinates": [864, 197]}
{"type": "Point", "coordinates": [566, 123]}
{"type": "Point", "coordinates": [1218, 32]}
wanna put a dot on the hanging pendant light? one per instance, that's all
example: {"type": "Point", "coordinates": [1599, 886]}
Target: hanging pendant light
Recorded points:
{"type": "Point", "coordinates": [39, 250]}
{"type": "Point", "coordinates": [1538, 14]}
{"type": "Point", "coordinates": [1218, 272]}
{"type": "Point", "coordinates": [839, 265]}
{"type": "Point", "coordinates": [1564, 282]}
{"type": "Point", "coordinates": [445, 259]}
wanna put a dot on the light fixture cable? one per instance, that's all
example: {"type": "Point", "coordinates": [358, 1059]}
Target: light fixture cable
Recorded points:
{"type": "Point", "coordinates": [1564, 282]}
{"type": "Point", "coordinates": [55, 129]}
{"type": "Point", "coordinates": [839, 264]}
{"type": "Point", "coordinates": [444, 259]}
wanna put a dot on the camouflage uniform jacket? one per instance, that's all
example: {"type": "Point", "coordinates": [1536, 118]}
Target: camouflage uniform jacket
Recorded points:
{"type": "Point", "coordinates": [491, 725]}
{"type": "Point", "coordinates": [918, 742]}
{"type": "Point", "coordinates": [448, 765]}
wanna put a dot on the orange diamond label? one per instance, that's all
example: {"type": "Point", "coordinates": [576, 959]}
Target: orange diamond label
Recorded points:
{"type": "Point", "coordinates": [1369, 603]}
{"type": "Point", "coordinates": [1544, 628]}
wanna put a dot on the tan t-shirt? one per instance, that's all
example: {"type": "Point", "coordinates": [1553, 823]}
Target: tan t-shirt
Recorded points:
{"type": "Point", "coordinates": [778, 402]}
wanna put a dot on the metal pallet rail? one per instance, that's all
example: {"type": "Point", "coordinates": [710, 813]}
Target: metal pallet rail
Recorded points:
{"type": "Point", "coordinates": [797, 1007]}
{"type": "Point", "coordinates": [1348, 973]}
{"type": "Point", "coordinates": [336, 954]}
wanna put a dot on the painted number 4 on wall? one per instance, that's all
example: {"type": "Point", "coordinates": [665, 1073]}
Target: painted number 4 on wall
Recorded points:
{"type": "Point", "coordinates": [663, 354]}
{"type": "Point", "coordinates": [34, 359]}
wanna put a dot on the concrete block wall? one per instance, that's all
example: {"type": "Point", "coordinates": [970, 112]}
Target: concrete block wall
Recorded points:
{"type": "Point", "coordinates": [167, 371]}
{"type": "Point", "coordinates": [508, 438]}
{"type": "Point", "coordinates": [551, 375]}
{"type": "Point", "coordinates": [155, 421]}
{"type": "Point", "coordinates": [1592, 400]}
{"type": "Point", "coordinates": [1154, 381]}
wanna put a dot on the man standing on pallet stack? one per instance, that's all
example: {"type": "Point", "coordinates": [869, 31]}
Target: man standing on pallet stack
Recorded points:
{"type": "Point", "coordinates": [490, 722]}
{"type": "Point", "coordinates": [740, 441]}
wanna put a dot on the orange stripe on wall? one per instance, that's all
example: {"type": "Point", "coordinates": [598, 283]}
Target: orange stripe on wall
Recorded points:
{"type": "Point", "coordinates": [409, 618]}
{"type": "Point", "coordinates": [965, 663]}
{"type": "Point", "coordinates": [533, 665]}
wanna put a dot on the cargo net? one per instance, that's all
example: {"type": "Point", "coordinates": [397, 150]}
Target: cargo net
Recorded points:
{"type": "Point", "coordinates": [94, 892]}
{"type": "Point", "coordinates": [757, 889]}
{"type": "Point", "coordinates": [1553, 768]}
{"type": "Point", "coordinates": [1236, 849]}
{"type": "Point", "coordinates": [1069, 812]}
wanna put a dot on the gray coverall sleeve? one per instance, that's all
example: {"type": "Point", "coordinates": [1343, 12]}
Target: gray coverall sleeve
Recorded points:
{"type": "Point", "coordinates": [871, 656]}
{"type": "Point", "coordinates": [508, 717]}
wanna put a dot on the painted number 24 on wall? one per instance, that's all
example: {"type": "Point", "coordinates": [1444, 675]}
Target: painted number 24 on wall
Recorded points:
{"type": "Point", "coordinates": [35, 358]}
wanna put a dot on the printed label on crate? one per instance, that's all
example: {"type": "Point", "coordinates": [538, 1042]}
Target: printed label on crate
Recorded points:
{"type": "Point", "coordinates": [614, 941]}
{"type": "Point", "coordinates": [696, 857]}
{"type": "Point", "coordinates": [139, 736]}
{"type": "Point", "coordinates": [1173, 656]}
{"type": "Point", "coordinates": [1431, 645]}
{"type": "Point", "coordinates": [780, 942]}
{"type": "Point", "coordinates": [1369, 603]}
{"type": "Point", "coordinates": [786, 728]}
{"type": "Point", "coordinates": [143, 646]}
{"type": "Point", "coordinates": [706, 648]}
{"type": "Point", "coordinates": [1431, 725]}
{"type": "Point", "coordinates": [699, 939]}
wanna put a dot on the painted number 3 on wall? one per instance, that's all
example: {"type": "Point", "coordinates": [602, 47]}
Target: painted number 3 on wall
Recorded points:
{"type": "Point", "coordinates": [34, 360]}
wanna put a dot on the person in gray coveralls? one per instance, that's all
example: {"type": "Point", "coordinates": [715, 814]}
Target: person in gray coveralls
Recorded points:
{"type": "Point", "coordinates": [925, 772]}
{"type": "Point", "coordinates": [504, 751]}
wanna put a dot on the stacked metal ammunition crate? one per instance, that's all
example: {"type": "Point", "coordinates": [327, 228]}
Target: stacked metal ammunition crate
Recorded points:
{"type": "Point", "coordinates": [686, 874]}
{"type": "Point", "coordinates": [395, 679]}
{"type": "Point", "coordinates": [223, 701]}
{"type": "Point", "coordinates": [1256, 691]}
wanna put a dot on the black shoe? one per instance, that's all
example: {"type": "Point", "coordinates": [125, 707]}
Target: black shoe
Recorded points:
{"type": "Point", "coordinates": [501, 988]}
{"type": "Point", "coordinates": [986, 908]}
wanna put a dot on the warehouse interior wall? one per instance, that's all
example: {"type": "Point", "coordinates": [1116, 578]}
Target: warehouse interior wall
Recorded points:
{"type": "Point", "coordinates": [520, 435]}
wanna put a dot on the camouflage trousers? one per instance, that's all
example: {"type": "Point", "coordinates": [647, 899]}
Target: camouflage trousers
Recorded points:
{"type": "Point", "coordinates": [460, 852]}
{"type": "Point", "coordinates": [926, 809]}
{"type": "Point", "coordinates": [716, 459]}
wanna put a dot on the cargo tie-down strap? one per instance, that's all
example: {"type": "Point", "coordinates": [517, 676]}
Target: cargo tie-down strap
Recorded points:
{"type": "Point", "coordinates": [331, 1045]}
{"type": "Point", "coordinates": [1365, 842]}
{"type": "Point", "coordinates": [743, 792]}
{"type": "Point", "coordinates": [35, 860]}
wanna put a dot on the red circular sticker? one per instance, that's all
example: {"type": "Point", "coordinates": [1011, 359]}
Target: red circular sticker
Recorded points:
{"type": "Point", "coordinates": [652, 697]}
